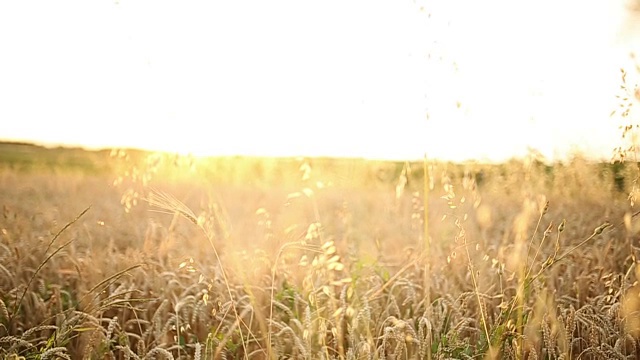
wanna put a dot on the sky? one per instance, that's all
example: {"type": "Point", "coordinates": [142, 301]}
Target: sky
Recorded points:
{"type": "Point", "coordinates": [384, 79]}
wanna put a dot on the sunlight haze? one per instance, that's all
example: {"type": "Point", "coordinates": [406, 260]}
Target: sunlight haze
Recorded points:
{"type": "Point", "coordinates": [377, 79]}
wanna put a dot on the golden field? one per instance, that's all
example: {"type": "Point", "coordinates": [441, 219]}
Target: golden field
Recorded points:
{"type": "Point", "coordinates": [240, 258]}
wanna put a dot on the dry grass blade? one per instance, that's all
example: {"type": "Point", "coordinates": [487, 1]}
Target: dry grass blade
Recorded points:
{"type": "Point", "coordinates": [17, 305]}
{"type": "Point", "coordinates": [169, 204]}
{"type": "Point", "coordinates": [553, 261]}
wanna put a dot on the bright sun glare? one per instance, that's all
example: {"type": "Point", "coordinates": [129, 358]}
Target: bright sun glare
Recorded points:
{"type": "Point", "coordinates": [389, 79]}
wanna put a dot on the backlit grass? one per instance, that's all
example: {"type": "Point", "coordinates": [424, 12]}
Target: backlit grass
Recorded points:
{"type": "Point", "coordinates": [180, 257]}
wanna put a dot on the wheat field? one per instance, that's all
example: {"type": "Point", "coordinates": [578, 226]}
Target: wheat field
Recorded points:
{"type": "Point", "coordinates": [133, 255]}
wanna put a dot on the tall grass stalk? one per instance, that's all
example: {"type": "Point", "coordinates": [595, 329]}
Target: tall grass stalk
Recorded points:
{"type": "Point", "coordinates": [425, 235]}
{"type": "Point", "coordinates": [169, 203]}
{"type": "Point", "coordinates": [17, 305]}
{"type": "Point", "coordinates": [476, 291]}
{"type": "Point", "coordinates": [426, 281]}
{"type": "Point", "coordinates": [272, 295]}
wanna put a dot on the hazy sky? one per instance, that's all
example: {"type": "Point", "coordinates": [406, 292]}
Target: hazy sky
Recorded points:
{"type": "Point", "coordinates": [382, 79]}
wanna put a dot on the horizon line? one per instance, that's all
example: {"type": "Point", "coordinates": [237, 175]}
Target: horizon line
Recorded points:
{"type": "Point", "coordinates": [532, 152]}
